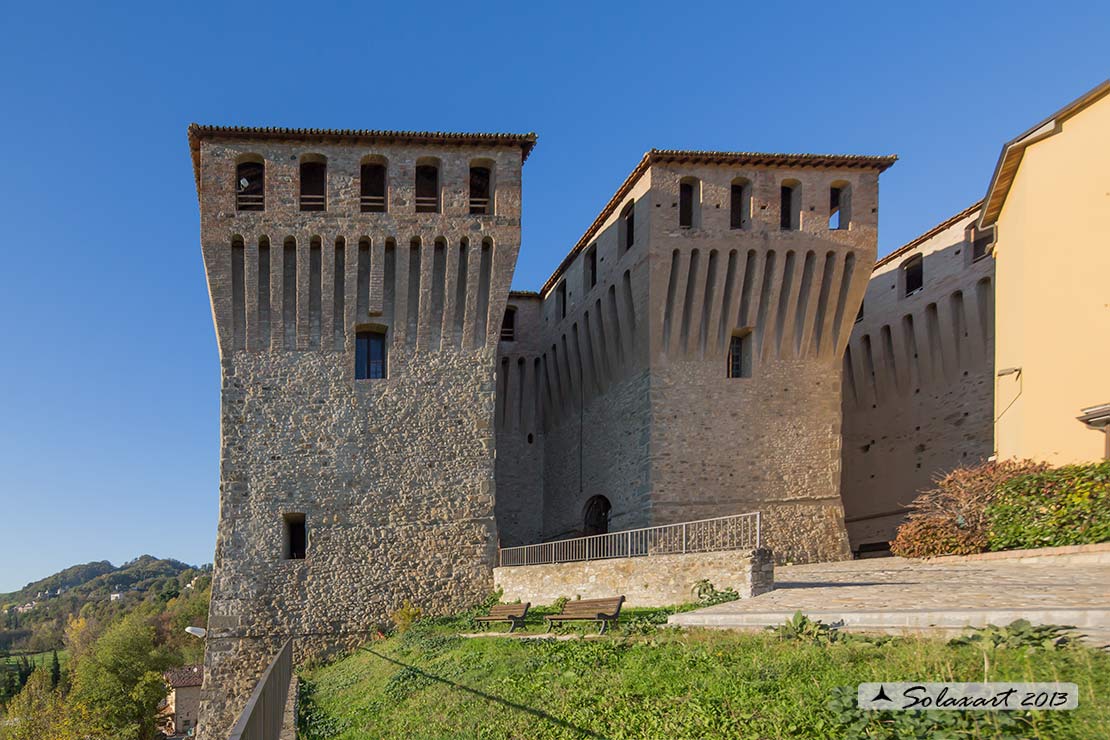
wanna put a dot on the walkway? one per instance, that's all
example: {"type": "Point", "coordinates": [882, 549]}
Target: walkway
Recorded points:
{"type": "Point", "coordinates": [947, 595]}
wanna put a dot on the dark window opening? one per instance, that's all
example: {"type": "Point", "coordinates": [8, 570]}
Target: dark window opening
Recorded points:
{"type": "Point", "coordinates": [250, 186]}
{"type": "Point", "coordinates": [561, 299]}
{"type": "Point", "coordinates": [314, 186]}
{"type": "Point", "coordinates": [296, 537]}
{"type": "Point", "coordinates": [480, 202]}
{"type": "Point", "coordinates": [628, 225]}
{"type": "Point", "coordinates": [981, 246]}
{"type": "Point", "coordinates": [596, 516]}
{"type": "Point", "coordinates": [839, 207]}
{"type": "Point", "coordinates": [427, 188]}
{"type": "Point", "coordinates": [914, 275]}
{"type": "Point", "coordinates": [370, 358]}
{"type": "Point", "coordinates": [591, 267]}
{"type": "Point", "coordinates": [739, 205]}
{"type": "Point", "coordinates": [740, 356]}
{"type": "Point", "coordinates": [508, 325]}
{"type": "Point", "coordinates": [686, 205]}
{"type": "Point", "coordinates": [859, 315]}
{"type": "Point", "coordinates": [789, 208]}
{"type": "Point", "coordinates": [372, 188]}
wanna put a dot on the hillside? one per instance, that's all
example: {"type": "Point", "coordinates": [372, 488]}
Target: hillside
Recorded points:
{"type": "Point", "coordinates": [34, 617]}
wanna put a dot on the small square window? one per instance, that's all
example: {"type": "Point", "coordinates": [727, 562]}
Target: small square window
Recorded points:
{"type": "Point", "coordinates": [370, 355]}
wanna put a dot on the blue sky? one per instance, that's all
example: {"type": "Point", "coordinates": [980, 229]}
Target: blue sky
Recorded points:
{"type": "Point", "coordinates": [109, 375]}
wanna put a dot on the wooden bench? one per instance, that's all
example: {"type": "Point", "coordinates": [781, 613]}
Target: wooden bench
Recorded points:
{"type": "Point", "coordinates": [603, 611]}
{"type": "Point", "coordinates": [511, 613]}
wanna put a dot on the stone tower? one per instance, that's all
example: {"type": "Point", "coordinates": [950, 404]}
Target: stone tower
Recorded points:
{"type": "Point", "coordinates": [684, 360]}
{"type": "Point", "coordinates": [357, 280]}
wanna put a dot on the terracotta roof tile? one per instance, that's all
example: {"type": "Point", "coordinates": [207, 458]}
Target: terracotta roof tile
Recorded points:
{"type": "Point", "coordinates": [186, 675]}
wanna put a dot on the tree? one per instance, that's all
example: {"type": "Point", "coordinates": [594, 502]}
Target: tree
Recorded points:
{"type": "Point", "coordinates": [38, 713]}
{"type": "Point", "coordinates": [55, 670]}
{"type": "Point", "coordinates": [119, 682]}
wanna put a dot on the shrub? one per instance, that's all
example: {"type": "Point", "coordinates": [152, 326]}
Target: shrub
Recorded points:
{"type": "Point", "coordinates": [950, 519]}
{"type": "Point", "coordinates": [1020, 634]}
{"type": "Point", "coordinates": [1065, 506]}
{"type": "Point", "coordinates": [406, 616]}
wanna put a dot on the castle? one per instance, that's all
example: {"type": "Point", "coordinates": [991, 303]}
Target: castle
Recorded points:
{"type": "Point", "coordinates": [719, 340]}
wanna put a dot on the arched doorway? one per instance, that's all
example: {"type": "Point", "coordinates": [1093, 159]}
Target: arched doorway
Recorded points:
{"type": "Point", "coordinates": [596, 517]}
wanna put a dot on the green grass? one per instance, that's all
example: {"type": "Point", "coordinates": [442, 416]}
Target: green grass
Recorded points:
{"type": "Point", "coordinates": [644, 682]}
{"type": "Point", "coordinates": [41, 659]}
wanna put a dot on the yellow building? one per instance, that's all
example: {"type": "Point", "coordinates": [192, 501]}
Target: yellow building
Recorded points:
{"type": "Point", "coordinates": [1049, 204]}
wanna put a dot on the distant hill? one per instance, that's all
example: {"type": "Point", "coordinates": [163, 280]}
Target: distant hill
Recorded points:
{"type": "Point", "coordinates": [34, 617]}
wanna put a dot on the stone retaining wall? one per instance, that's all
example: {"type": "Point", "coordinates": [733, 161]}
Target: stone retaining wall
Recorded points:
{"type": "Point", "coordinates": [655, 580]}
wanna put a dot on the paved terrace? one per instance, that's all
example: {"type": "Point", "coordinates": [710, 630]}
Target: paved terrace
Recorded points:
{"type": "Point", "coordinates": [946, 595]}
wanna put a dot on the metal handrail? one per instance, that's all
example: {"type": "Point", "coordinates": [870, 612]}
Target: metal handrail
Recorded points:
{"type": "Point", "coordinates": [264, 713]}
{"type": "Point", "coordinates": [736, 532]}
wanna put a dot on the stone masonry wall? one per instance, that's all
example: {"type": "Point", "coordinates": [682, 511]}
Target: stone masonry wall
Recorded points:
{"type": "Point", "coordinates": [394, 477]}
{"type": "Point", "coordinates": [919, 380]}
{"type": "Point", "coordinates": [655, 580]}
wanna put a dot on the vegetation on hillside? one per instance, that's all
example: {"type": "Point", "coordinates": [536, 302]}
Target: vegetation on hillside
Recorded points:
{"type": "Point", "coordinates": [647, 681]}
{"type": "Point", "coordinates": [33, 619]}
{"type": "Point", "coordinates": [1008, 505]}
{"type": "Point", "coordinates": [107, 682]}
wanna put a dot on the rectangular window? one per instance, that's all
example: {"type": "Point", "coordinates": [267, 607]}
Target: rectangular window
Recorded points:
{"type": "Point", "coordinates": [739, 206]}
{"type": "Point", "coordinates": [980, 248]}
{"type": "Point", "coordinates": [314, 186]}
{"type": "Point", "coordinates": [370, 359]}
{"type": "Point", "coordinates": [686, 205]}
{"type": "Point", "coordinates": [250, 186]}
{"type": "Point", "coordinates": [480, 202]}
{"type": "Point", "coordinates": [561, 299]}
{"type": "Point", "coordinates": [372, 188]}
{"type": "Point", "coordinates": [427, 188]}
{"type": "Point", "coordinates": [789, 211]}
{"type": "Point", "coordinates": [740, 356]}
{"type": "Point", "coordinates": [591, 267]}
{"type": "Point", "coordinates": [914, 272]}
{"type": "Point", "coordinates": [296, 537]}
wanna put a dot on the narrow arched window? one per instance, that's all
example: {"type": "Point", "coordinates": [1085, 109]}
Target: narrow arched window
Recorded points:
{"type": "Point", "coordinates": [689, 203]}
{"type": "Point", "coordinates": [372, 192]}
{"type": "Point", "coordinates": [840, 205]}
{"type": "Point", "coordinates": [595, 516]}
{"type": "Point", "coordinates": [790, 205]}
{"type": "Point", "coordinates": [427, 188]}
{"type": "Point", "coordinates": [314, 183]}
{"type": "Point", "coordinates": [561, 299]}
{"type": "Point", "coordinates": [627, 226]}
{"type": "Point", "coordinates": [508, 325]}
{"type": "Point", "coordinates": [740, 204]}
{"type": "Point", "coordinates": [250, 186]}
{"type": "Point", "coordinates": [913, 275]}
{"type": "Point", "coordinates": [589, 268]}
{"type": "Point", "coordinates": [370, 355]}
{"type": "Point", "coordinates": [480, 200]}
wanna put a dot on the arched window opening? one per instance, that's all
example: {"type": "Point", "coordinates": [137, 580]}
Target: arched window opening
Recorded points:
{"type": "Point", "coordinates": [589, 267]}
{"type": "Point", "coordinates": [689, 202]}
{"type": "Point", "coordinates": [370, 354]}
{"type": "Point", "coordinates": [250, 186]}
{"type": "Point", "coordinates": [427, 188]}
{"type": "Point", "coordinates": [480, 201]}
{"type": "Point", "coordinates": [740, 355]}
{"type": "Point", "coordinates": [740, 204]}
{"type": "Point", "coordinates": [790, 205]}
{"type": "Point", "coordinates": [627, 226]}
{"type": "Point", "coordinates": [596, 516]}
{"type": "Point", "coordinates": [372, 188]}
{"type": "Point", "coordinates": [508, 325]}
{"type": "Point", "coordinates": [913, 275]}
{"type": "Point", "coordinates": [295, 539]}
{"type": "Point", "coordinates": [561, 299]}
{"type": "Point", "coordinates": [981, 241]}
{"type": "Point", "coordinates": [314, 183]}
{"type": "Point", "coordinates": [840, 205]}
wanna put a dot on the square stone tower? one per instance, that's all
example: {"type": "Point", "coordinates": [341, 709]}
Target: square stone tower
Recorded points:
{"type": "Point", "coordinates": [689, 358]}
{"type": "Point", "coordinates": [357, 281]}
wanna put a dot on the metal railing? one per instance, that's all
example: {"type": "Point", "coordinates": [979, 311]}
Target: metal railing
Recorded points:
{"type": "Point", "coordinates": [737, 532]}
{"type": "Point", "coordinates": [264, 713]}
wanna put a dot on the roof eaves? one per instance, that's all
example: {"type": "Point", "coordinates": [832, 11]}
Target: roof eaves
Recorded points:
{"type": "Point", "coordinates": [1012, 151]}
{"type": "Point", "coordinates": [919, 240]}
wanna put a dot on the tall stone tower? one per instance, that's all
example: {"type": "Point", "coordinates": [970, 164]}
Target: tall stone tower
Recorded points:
{"type": "Point", "coordinates": [357, 279]}
{"type": "Point", "coordinates": [688, 357]}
